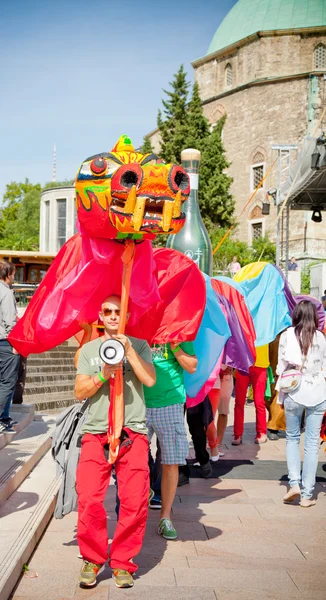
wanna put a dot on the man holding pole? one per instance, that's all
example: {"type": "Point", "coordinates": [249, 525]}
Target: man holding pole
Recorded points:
{"type": "Point", "coordinates": [94, 381]}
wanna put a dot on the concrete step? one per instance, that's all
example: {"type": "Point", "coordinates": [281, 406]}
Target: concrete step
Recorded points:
{"type": "Point", "coordinates": [19, 457]}
{"type": "Point", "coordinates": [24, 517]}
{"type": "Point", "coordinates": [67, 353]}
{"type": "Point", "coordinates": [40, 362]}
{"type": "Point", "coordinates": [46, 402]}
{"type": "Point", "coordinates": [61, 385]}
{"type": "Point", "coordinates": [49, 367]}
{"type": "Point", "coordinates": [24, 414]}
{"type": "Point", "coordinates": [46, 377]}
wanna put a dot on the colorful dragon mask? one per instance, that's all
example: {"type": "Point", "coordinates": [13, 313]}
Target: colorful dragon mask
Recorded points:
{"type": "Point", "coordinates": [125, 194]}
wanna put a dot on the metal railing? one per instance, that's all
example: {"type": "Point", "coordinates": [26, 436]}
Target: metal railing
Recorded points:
{"type": "Point", "coordinates": [24, 292]}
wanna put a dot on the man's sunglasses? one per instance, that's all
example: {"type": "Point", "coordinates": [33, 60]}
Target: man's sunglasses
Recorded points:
{"type": "Point", "coordinates": [107, 312]}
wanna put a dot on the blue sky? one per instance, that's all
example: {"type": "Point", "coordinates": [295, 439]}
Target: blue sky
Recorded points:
{"type": "Point", "coordinates": [82, 73]}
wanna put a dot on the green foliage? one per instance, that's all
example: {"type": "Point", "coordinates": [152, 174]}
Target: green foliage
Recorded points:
{"type": "Point", "coordinates": [216, 203]}
{"type": "Point", "coordinates": [20, 215]}
{"type": "Point", "coordinates": [173, 124]}
{"type": "Point", "coordinates": [15, 192]}
{"type": "Point", "coordinates": [305, 276]}
{"type": "Point", "coordinates": [262, 249]}
{"type": "Point", "coordinates": [197, 124]}
{"type": "Point", "coordinates": [305, 280]}
{"type": "Point", "coordinates": [58, 184]}
{"type": "Point", "coordinates": [146, 147]}
{"type": "Point", "coordinates": [183, 125]}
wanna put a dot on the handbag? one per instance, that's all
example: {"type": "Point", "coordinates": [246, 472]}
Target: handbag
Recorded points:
{"type": "Point", "coordinates": [291, 379]}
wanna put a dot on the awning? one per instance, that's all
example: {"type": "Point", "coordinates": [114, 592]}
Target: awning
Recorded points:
{"type": "Point", "coordinates": [309, 188]}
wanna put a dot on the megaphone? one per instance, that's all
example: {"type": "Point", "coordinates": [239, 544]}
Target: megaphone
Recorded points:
{"type": "Point", "coordinates": [112, 352]}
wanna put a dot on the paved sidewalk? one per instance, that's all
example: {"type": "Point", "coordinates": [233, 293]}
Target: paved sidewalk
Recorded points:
{"type": "Point", "coordinates": [237, 540]}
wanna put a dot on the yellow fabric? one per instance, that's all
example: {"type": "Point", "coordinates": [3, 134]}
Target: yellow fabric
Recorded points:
{"type": "Point", "coordinates": [262, 356]}
{"type": "Point", "coordinates": [250, 271]}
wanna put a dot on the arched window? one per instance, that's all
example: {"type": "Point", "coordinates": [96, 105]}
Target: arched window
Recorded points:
{"type": "Point", "coordinates": [320, 57]}
{"type": "Point", "coordinates": [228, 75]}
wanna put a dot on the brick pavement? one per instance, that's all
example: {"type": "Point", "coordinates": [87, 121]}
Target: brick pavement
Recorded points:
{"type": "Point", "coordinates": [237, 541]}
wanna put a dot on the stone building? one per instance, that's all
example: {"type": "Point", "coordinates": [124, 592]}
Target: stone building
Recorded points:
{"type": "Point", "coordinates": [265, 69]}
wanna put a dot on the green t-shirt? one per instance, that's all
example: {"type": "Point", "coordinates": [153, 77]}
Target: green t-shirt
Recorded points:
{"type": "Point", "coordinates": [89, 363]}
{"type": "Point", "coordinates": [169, 387]}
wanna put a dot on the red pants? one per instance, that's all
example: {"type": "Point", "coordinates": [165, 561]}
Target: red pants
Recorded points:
{"type": "Point", "coordinates": [257, 376]}
{"type": "Point", "coordinates": [93, 477]}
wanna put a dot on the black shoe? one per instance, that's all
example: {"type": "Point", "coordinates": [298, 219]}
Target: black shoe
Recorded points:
{"type": "Point", "coordinates": [273, 435]}
{"type": "Point", "coordinates": [155, 502]}
{"type": "Point", "coordinates": [9, 422]}
{"type": "Point", "coordinates": [183, 479]}
{"type": "Point", "coordinates": [206, 471]}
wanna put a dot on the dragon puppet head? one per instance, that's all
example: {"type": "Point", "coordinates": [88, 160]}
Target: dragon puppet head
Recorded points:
{"type": "Point", "coordinates": [125, 194]}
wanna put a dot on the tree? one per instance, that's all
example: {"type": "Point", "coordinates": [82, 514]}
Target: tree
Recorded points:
{"type": "Point", "coordinates": [146, 147]}
{"type": "Point", "coordinates": [216, 202]}
{"type": "Point", "coordinates": [261, 249]}
{"type": "Point", "coordinates": [197, 124]}
{"type": "Point", "coordinates": [173, 124]}
{"type": "Point", "coordinates": [15, 192]}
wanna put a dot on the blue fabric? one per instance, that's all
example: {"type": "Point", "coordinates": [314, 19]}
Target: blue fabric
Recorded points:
{"type": "Point", "coordinates": [267, 303]}
{"type": "Point", "coordinates": [212, 335]}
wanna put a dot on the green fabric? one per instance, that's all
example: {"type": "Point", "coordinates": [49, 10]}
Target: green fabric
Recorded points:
{"type": "Point", "coordinates": [250, 16]}
{"type": "Point", "coordinates": [169, 387]}
{"type": "Point", "coordinates": [89, 363]}
{"type": "Point", "coordinates": [269, 381]}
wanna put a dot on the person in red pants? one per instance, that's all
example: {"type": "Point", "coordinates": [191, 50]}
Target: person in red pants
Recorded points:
{"type": "Point", "coordinates": [257, 377]}
{"type": "Point", "coordinates": [94, 471]}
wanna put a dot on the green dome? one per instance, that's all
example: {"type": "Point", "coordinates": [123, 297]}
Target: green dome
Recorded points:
{"type": "Point", "coordinates": [249, 16]}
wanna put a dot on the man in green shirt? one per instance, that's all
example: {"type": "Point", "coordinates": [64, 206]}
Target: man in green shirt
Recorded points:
{"type": "Point", "coordinates": [165, 417]}
{"type": "Point", "coordinates": [93, 472]}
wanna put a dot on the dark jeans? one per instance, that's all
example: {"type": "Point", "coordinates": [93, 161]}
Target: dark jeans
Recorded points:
{"type": "Point", "coordinates": [155, 469]}
{"type": "Point", "coordinates": [20, 385]}
{"type": "Point", "coordinates": [198, 419]}
{"type": "Point", "coordinates": [9, 364]}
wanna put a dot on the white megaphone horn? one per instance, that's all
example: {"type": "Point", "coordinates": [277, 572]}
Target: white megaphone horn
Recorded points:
{"type": "Point", "coordinates": [112, 352]}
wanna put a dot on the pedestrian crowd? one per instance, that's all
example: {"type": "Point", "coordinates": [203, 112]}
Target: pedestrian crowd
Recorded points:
{"type": "Point", "coordinates": [155, 403]}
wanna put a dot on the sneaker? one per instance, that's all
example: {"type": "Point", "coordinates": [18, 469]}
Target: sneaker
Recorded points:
{"type": "Point", "coordinates": [122, 578]}
{"type": "Point", "coordinates": [237, 440]}
{"type": "Point", "coordinates": [10, 421]}
{"type": "Point", "coordinates": [183, 479]}
{"type": "Point", "coordinates": [273, 435]}
{"type": "Point", "coordinates": [206, 470]}
{"type": "Point", "coordinates": [307, 502]}
{"type": "Point", "coordinates": [89, 573]}
{"type": "Point", "coordinates": [2, 427]}
{"type": "Point", "coordinates": [220, 451]}
{"type": "Point", "coordinates": [155, 502]}
{"type": "Point", "coordinates": [166, 529]}
{"type": "Point", "coordinates": [261, 439]}
{"type": "Point", "coordinates": [293, 493]}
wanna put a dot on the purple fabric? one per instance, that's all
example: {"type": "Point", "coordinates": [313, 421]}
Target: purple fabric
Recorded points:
{"type": "Point", "coordinates": [318, 305]}
{"type": "Point", "coordinates": [236, 351]}
{"type": "Point", "coordinates": [287, 292]}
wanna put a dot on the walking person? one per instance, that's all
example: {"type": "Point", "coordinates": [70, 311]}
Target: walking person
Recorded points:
{"type": "Point", "coordinates": [165, 417]}
{"type": "Point", "coordinates": [220, 396]}
{"type": "Point", "coordinates": [94, 470]}
{"type": "Point", "coordinates": [257, 376]}
{"type": "Point", "coordinates": [302, 348]}
{"type": "Point", "coordinates": [9, 359]}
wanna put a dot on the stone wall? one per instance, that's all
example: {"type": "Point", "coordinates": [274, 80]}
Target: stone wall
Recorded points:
{"type": "Point", "coordinates": [261, 114]}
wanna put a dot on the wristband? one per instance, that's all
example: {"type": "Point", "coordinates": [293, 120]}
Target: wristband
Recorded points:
{"type": "Point", "coordinates": [101, 378]}
{"type": "Point", "coordinates": [176, 349]}
{"type": "Point", "coordinates": [97, 384]}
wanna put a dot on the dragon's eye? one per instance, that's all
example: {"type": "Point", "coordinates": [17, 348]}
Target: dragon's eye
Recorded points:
{"type": "Point", "coordinates": [98, 166]}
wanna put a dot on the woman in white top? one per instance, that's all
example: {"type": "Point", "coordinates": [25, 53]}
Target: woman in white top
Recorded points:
{"type": "Point", "coordinates": [303, 346]}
